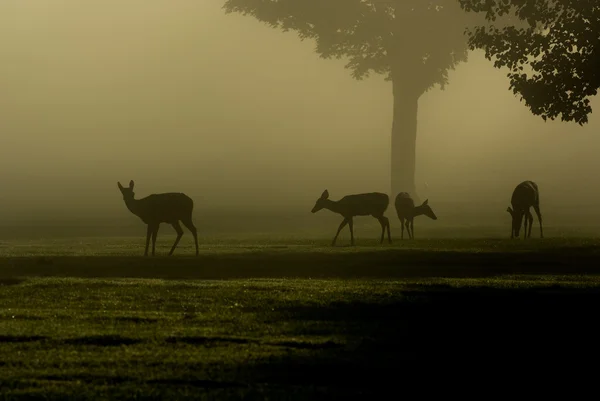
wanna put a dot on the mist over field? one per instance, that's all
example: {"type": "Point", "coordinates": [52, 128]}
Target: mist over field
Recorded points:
{"type": "Point", "coordinates": [249, 122]}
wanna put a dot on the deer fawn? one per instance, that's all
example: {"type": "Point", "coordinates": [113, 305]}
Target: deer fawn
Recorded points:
{"type": "Point", "coordinates": [161, 208]}
{"type": "Point", "coordinates": [407, 211]}
{"type": "Point", "coordinates": [367, 204]}
{"type": "Point", "coordinates": [525, 195]}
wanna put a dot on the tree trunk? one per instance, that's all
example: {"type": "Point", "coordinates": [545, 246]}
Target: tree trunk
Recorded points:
{"type": "Point", "coordinates": [404, 139]}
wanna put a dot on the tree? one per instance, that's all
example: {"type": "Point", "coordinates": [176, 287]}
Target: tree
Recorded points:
{"type": "Point", "coordinates": [553, 56]}
{"type": "Point", "coordinates": [413, 43]}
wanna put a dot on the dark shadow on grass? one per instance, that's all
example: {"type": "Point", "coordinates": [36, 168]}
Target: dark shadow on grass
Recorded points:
{"type": "Point", "coordinates": [11, 281]}
{"type": "Point", "coordinates": [44, 260]}
{"type": "Point", "coordinates": [438, 331]}
{"type": "Point", "coordinates": [21, 339]}
{"type": "Point", "coordinates": [196, 383]}
{"type": "Point", "coordinates": [385, 263]}
{"type": "Point", "coordinates": [102, 340]}
{"type": "Point", "coordinates": [207, 341]}
{"type": "Point", "coordinates": [137, 320]}
{"type": "Point", "coordinates": [87, 378]}
{"type": "Point", "coordinates": [306, 345]}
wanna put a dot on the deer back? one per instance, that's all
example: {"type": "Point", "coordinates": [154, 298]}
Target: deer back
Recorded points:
{"type": "Point", "coordinates": [166, 207]}
{"type": "Point", "coordinates": [526, 194]}
{"type": "Point", "coordinates": [404, 204]}
{"type": "Point", "coordinates": [371, 203]}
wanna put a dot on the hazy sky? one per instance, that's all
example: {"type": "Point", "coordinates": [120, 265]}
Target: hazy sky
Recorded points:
{"type": "Point", "coordinates": [181, 97]}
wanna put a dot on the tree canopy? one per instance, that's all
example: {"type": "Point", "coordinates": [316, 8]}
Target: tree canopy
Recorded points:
{"type": "Point", "coordinates": [369, 33]}
{"type": "Point", "coordinates": [553, 57]}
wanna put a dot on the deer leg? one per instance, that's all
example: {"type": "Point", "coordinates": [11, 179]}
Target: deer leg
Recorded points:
{"type": "Point", "coordinates": [342, 225]}
{"type": "Point", "coordinates": [525, 217]}
{"type": "Point", "coordinates": [401, 225]}
{"type": "Point", "coordinates": [383, 225]}
{"type": "Point", "coordinates": [179, 230]}
{"type": "Point", "coordinates": [148, 233]}
{"type": "Point", "coordinates": [387, 225]}
{"type": "Point", "coordinates": [351, 226]}
{"type": "Point", "coordinates": [408, 228]}
{"type": "Point", "coordinates": [190, 226]}
{"type": "Point", "coordinates": [412, 228]}
{"type": "Point", "coordinates": [512, 228]}
{"type": "Point", "coordinates": [530, 217]}
{"type": "Point", "coordinates": [154, 235]}
{"type": "Point", "coordinates": [539, 215]}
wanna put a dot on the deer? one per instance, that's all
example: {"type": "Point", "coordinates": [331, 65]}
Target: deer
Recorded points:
{"type": "Point", "coordinates": [365, 204]}
{"type": "Point", "coordinates": [525, 195]}
{"type": "Point", "coordinates": [170, 207]}
{"type": "Point", "coordinates": [407, 211]}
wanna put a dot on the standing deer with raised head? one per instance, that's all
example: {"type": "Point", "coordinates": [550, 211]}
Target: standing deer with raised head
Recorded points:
{"type": "Point", "coordinates": [161, 208]}
{"type": "Point", "coordinates": [407, 211]}
{"type": "Point", "coordinates": [367, 204]}
{"type": "Point", "coordinates": [525, 195]}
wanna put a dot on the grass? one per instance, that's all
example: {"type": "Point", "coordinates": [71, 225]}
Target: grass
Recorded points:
{"type": "Point", "coordinates": [255, 318]}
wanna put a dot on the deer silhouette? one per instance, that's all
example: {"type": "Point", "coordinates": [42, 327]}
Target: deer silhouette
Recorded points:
{"type": "Point", "coordinates": [525, 195]}
{"type": "Point", "coordinates": [407, 211]}
{"type": "Point", "coordinates": [366, 204]}
{"type": "Point", "coordinates": [161, 208]}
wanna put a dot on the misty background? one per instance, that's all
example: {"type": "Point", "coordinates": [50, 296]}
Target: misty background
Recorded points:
{"type": "Point", "coordinates": [249, 121]}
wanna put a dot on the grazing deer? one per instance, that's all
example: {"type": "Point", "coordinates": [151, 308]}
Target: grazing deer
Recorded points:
{"type": "Point", "coordinates": [525, 195]}
{"type": "Point", "coordinates": [407, 211]}
{"type": "Point", "coordinates": [161, 208]}
{"type": "Point", "coordinates": [367, 204]}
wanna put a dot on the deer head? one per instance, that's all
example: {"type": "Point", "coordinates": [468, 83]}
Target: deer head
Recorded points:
{"type": "Point", "coordinates": [128, 193]}
{"type": "Point", "coordinates": [427, 211]}
{"type": "Point", "coordinates": [321, 202]}
{"type": "Point", "coordinates": [517, 220]}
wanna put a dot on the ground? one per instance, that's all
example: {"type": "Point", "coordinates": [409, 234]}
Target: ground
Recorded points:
{"type": "Point", "coordinates": [258, 318]}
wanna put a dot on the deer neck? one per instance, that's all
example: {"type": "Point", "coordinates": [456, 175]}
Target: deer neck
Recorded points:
{"type": "Point", "coordinates": [418, 211]}
{"type": "Point", "coordinates": [333, 206]}
{"type": "Point", "coordinates": [133, 205]}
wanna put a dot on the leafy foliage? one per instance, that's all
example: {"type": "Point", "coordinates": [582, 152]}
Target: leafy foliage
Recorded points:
{"type": "Point", "coordinates": [553, 59]}
{"type": "Point", "coordinates": [413, 40]}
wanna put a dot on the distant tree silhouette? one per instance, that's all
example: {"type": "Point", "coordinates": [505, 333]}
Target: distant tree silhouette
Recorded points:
{"type": "Point", "coordinates": [553, 56]}
{"type": "Point", "coordinates": [413, 43]}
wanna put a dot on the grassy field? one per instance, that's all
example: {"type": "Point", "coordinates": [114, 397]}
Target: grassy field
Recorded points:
{"type": "Point", "coordinates": [257, 318]}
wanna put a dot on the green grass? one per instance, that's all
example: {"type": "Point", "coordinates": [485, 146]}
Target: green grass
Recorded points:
{"type": "Point", "coordinates": [255, 318]}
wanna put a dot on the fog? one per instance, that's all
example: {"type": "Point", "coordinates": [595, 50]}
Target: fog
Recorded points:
{"type": "Point", "coordinates": [179, 96]}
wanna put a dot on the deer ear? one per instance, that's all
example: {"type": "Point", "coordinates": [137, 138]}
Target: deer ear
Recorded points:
{"type": "Point", "coordinates": [131, 184]}
{"type": "Point", "coordinates": [120, 186]}
{"type": "Point", "coordinates": [325, 194]}
{"type": "Point", "coordinates": [509, 210]}
{"type": "Point", "coordinates": [426, 202]}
